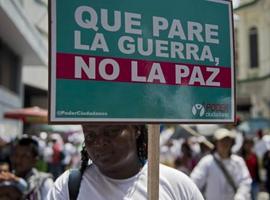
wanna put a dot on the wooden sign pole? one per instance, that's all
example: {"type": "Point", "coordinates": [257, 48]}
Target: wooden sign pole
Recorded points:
{"type": "Point", "coordinates": [153, 162]}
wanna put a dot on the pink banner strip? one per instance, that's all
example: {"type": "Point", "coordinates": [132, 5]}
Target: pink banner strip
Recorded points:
{"type": "Point", "coordinates": [140, 71]}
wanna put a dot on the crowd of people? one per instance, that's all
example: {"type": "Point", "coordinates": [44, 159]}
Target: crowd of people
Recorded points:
{"type": "Point", "coordinates": [30, 164]}
{"type": "Point", "coordinates": [112, 161]}
{"type": "Point", "coordinates": [235, 166]}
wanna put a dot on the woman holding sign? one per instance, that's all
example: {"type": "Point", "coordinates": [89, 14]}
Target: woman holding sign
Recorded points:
{"type": "Point", "coordinates": [119, 169]}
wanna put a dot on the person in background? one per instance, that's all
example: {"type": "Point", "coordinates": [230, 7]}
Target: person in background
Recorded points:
{"type": "Point", "coordinates": [260, 146]}
{"type": "Point", "coordinates": [119, 168]}
{"type": "Point", "coordinates": [5, 150]}
{"type": "Point", "coordinates": [69, 152]}
{"type": "Point", "coordinates": [169, 152]}
{"type": "Point", "coordinates": [185, 162]}
{"type": "Point", "coordinates": [209, 176]}
{"type": "Point", "coordinates": [55, 164]}
{"type": "Point", "coordinates": [205, 147]}
{"type": "Point", "coordinates": [11, 186]}
{"type": "Point", "coordinates": [24, 158]}
{"type": "Point", "coordinates": [266, 165]}
{"type": "Point", "coordinates": [42, 164]}
{"type": "Point", "coordinates": [253, 165]}
{"type": "Point", "coordinates": [4, 167]}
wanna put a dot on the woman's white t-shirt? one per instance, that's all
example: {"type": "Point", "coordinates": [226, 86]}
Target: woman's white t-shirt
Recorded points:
{"type": "Point", "coordinates": [173, 185]}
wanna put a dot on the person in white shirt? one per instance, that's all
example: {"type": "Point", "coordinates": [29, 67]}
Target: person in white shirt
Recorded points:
{"type": "Point", "coordinates": [119, 168]}
{"type": "Point", "coordinates": [210, 178]}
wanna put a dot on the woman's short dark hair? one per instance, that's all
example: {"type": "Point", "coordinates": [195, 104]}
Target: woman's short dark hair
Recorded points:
{"type": "Point", "coordinates": [141, 142]}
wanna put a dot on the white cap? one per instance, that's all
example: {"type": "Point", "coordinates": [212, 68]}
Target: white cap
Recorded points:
{"type": "Point", "coordinates": [223, 133]}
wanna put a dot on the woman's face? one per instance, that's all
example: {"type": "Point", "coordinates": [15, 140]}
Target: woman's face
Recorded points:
{"type": "Point", "coordinates": [112, 147]}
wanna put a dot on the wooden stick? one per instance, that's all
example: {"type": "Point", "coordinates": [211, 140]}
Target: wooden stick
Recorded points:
{"type": "Point", "coordinates": [153, 162]}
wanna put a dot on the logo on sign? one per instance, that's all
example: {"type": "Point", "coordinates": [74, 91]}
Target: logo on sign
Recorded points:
{"type": "Point", "coordinates": [198, 109]}
{"type": "Point", "coordinates": [210, 110]}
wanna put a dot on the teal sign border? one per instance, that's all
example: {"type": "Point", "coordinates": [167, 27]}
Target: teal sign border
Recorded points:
{"type": "Point", "coordinates": [60, 89]}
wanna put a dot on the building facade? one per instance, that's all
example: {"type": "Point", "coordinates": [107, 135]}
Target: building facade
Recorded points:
{"type": "Point", "coordinates": [23, 58]}
{"type": "Point", "coordinates": [252, 36]}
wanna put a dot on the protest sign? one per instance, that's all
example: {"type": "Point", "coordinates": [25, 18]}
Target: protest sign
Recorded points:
{"type": "Point", "coordinates": [138, 61]}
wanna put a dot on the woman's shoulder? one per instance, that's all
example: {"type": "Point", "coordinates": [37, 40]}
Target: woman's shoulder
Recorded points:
{"type": "Point", "coordinates": [171, 173]}
{"type": "Point", "coordinates": [178, 183]}
{"type": "Point", "coordinates": [174, 176]}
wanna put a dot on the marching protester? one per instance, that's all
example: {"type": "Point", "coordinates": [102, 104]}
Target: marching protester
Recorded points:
{"type": "Point", "coordinates": [186, 161]}
{"type": "Point", "coordinates": [24, 158]}
{"type": "Point", "coordinates": [118, 169]}
{"type": "Point", "coordinates": [223, 175]}
{"type": "Point", "coordinates": [252, 163]}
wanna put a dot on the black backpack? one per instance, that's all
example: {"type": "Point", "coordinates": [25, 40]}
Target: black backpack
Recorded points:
{"type": "Point", "coordinates": [74, 182]}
